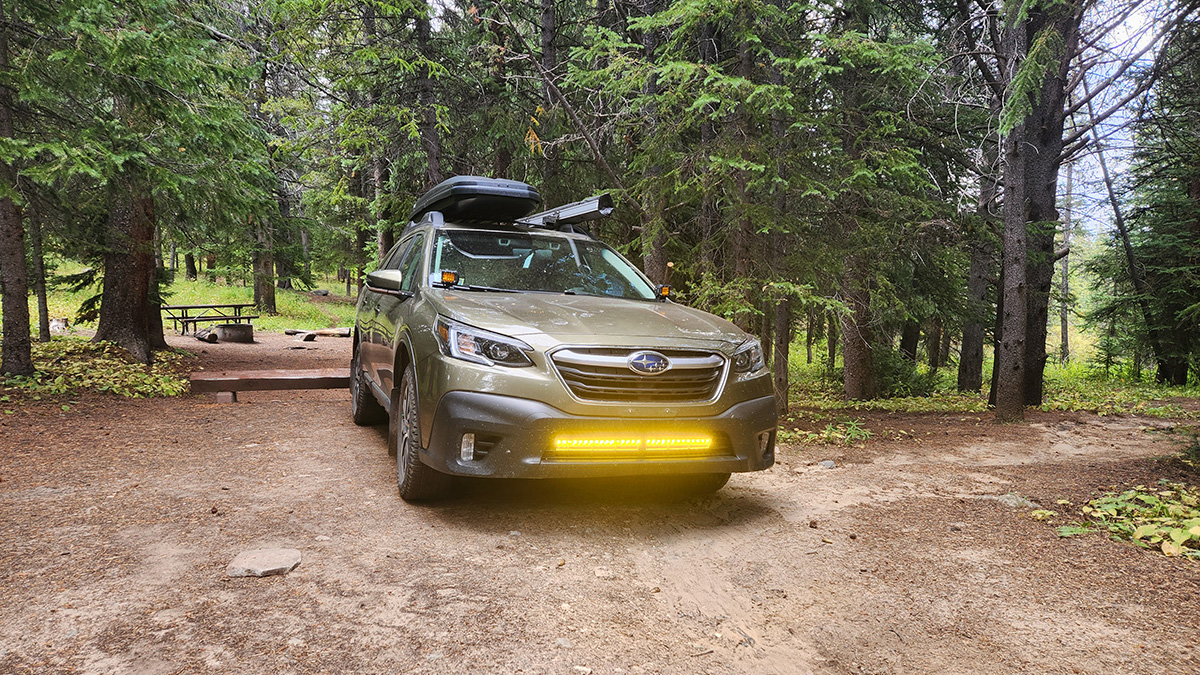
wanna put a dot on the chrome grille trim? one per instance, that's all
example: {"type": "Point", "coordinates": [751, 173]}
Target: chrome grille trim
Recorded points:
{"type": "Point", "coordinates": [602, 375]}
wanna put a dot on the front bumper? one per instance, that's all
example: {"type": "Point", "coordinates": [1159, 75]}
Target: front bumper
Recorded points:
{"type": "Point", "coordinates": [515, 438]}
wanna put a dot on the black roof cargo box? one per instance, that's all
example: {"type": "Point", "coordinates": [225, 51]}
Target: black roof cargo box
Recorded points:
{"type": "Point", "coordinates": [476, 198]}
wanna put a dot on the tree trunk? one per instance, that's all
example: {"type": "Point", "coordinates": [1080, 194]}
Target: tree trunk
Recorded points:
{"type": "Point", "coordinates": [766, 327]}
{"type": "Point", "coordinates": [264, 267]}
{"type": "Point", "coordinates": [549, 59]}
{"type": "Point", "coordinates": [1010, 356]}
{"type": "Point", "coordinates": [1042, 136]}
{"type": "Point", "coordinates": [1064, 311]}
{"type": "Point", "coordinates": [808, 337]}
{"type": "Point", "coordinates": [858, 360]}
{"type": "Point", "coordinates": [189, 266]}
{"type": "Point", "coordinates": [910, 335]}
{"type": "Point", "coordinates": [15, 355]}
{"type": "Point", "coordinates": [933, 343]}
{"type": "Point", "coordinates": [783, 345]}
{"type": "Point", "coordinates": [831, 341]}
{"type": "Point", "coordinates": [970, 360]}
{"type": "Point", "coordinates": [39, 275]}
{"type": "Point", "coordinates": [128, 265]}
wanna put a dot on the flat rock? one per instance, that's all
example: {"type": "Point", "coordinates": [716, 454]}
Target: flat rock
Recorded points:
{"type": "Point", "coordinates": [826, 464]}
{"type": "Point", "coordinates": [263, 562]}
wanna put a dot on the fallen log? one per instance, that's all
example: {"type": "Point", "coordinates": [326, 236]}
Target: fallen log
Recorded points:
{"type": "Point", "coordinates": [325, 332]}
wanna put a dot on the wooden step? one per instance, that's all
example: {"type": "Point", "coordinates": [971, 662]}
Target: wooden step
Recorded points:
{"type": "Point", "coordinates": [269, 380]}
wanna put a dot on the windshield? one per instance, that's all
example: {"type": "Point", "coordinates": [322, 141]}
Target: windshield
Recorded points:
{"type": "Point", "coordinates": [522, 261]}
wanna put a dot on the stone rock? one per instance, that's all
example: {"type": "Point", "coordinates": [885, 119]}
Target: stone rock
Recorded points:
{"type": "Point", "coordinates": [234, 332]}
{"type": "Point", "coordinates": [582, 670]}
{"type": "Point", "coordinates": [563, 643]}
{"type": "Point", "coordinates": [826, 464]}
{"type": "Point", "coordinates": [605, 573]}
{"type": "Point", "coordinates": [263, 562]}
{"type": "Point", "coordinates": [320, 291]}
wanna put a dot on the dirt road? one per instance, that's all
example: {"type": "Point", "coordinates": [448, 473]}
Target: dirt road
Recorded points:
{"type": "Point", "coordinates": [119, 517]}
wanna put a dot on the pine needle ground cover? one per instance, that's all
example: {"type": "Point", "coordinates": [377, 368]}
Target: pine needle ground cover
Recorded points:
{"type": "Point", "coordinates": [70, 365]}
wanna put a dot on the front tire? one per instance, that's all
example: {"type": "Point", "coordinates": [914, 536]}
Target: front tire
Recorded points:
{"type": "Point", "coordinates": [415, 480]}
{"type": "Point", "coordinates": [364, 409]}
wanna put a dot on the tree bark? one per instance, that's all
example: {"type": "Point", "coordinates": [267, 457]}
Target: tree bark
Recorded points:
{"type": "Point", "coordinates": [933, 343]}
{"type": "Point", "coordinates": [970, 360]}
{"type": "Point", "coordinates": [1064, 307]}
{"type": "Point", "coordinates": [128, 264]}
{"type": "Point", "coordinates": [831, 342]}
{"type": "Point", "coordinates": [810, 329]}
{"type": "Point", "coordinates": [549, 60]}
{"type": "Point", "coordinates": [1010, 356]}
{"type": "Point", "coordinates": [189, 266]}
{"type": "Point", "coordinates": [39, 274]}
{"type": "Point", "coordinates": [783, 345]}
{"type": "Point", "coordinates": [15, 353]}
{"type": "Point", "coordinates": [858, 360]}
{"type": "Point", "coordinates": [264, 267]}
{"type": "Point", "coordinates": [910, 335]}
{"type": "Point", "coordinates": [1042, 135]}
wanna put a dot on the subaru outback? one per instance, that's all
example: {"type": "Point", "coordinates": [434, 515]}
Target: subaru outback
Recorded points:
{"type": "Point", "coordinates": [500, 344]}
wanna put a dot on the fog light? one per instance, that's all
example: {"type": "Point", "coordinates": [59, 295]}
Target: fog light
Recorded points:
{"type": "Point", "coordinates": [468, 447]}
{"type": "Point", "coordinates": [764, 442]}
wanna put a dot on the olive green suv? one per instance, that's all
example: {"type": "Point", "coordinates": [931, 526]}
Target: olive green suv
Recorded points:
{"type": "Point", "coordinates": [504, 345]}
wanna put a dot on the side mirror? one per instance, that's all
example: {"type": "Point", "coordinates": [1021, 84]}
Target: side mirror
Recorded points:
{"type": "Point", "coordinates": [385, 280]}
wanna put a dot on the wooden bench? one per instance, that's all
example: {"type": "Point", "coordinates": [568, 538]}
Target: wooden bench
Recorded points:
{"type": "Point", "coordinates": [228, 383]}
{"type": "Point", "coordinates": [183, 316]}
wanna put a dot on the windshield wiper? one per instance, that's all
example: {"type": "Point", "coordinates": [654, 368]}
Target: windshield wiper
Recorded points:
{"type": "Point", "coordinates": [486, 289]}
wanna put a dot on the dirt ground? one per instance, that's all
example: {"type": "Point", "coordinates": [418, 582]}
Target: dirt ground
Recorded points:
{"type": "Point", "coordinates": [119, 517]}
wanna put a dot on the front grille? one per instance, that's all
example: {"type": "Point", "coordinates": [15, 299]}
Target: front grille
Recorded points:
{"type": "Point", "coordinates": [603, 375]}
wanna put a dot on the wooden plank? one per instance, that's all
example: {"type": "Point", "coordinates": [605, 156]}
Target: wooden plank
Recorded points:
{"type": "Point", "coordinates": [236, 305]}
{"type": "Point", "coordinates": [270, 380]}
{"type": "Point", "coordinates": [214, 317]}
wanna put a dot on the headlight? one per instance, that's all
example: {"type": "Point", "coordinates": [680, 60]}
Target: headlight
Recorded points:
{"type": "Point", "coordinates": [749, 357]}
{"type": "Point", "coordinates": [480, 346]}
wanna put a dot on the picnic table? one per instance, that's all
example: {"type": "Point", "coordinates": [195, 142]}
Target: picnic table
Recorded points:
{"type": "Point", "coordinates": [183, 316]}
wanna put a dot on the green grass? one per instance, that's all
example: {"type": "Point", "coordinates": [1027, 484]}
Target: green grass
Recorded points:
{"type": "Point", "coordinates": [1070, 387]}
{"type": "Point", "coordinates": [296, 309]}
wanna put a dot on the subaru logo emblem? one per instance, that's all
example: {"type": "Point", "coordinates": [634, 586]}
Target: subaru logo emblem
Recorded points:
{"type": "Point", "coordinates": [648, 363]}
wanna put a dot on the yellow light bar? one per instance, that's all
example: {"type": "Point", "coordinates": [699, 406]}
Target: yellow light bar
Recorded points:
{"type": "Point", "coordinates": [449, 277]}
{"type": "Point", "coordinates": [657, 443]}
{"type": "Point", "coordinates": [595, 443]}
{"type": "Point", "coordinates": [695, 442]}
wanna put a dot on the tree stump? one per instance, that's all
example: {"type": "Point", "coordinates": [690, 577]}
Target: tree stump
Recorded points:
{"type": "Point", "coordinates": [234, 332]}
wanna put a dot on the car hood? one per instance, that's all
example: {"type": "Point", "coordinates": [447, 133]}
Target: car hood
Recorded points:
{"type": "Point", "coordinates": [589, 319]}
